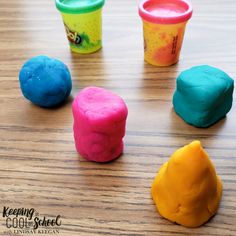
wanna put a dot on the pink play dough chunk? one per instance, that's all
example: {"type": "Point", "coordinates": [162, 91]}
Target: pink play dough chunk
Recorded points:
{"type": "Point", "coordinates": [99, 124]}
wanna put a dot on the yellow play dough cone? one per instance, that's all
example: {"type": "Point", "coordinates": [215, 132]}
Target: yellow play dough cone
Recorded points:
{"type": "Point", "coordinates": [186, 189]}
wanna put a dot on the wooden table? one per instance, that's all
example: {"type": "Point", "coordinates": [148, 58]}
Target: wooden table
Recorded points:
{"type": "Point", "coordinates": [39, 166]}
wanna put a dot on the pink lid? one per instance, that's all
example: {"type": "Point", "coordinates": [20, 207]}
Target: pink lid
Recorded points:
{"type": "Point", "coordinates": [165, 11]}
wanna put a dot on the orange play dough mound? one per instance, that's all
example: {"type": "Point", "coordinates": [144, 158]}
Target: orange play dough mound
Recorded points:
{"type": "Point", "coordinates": [187, 190]}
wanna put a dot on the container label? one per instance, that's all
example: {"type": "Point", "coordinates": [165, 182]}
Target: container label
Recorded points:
{"type": "Point", "coordinates": [73, 36]}
{"type": "Point", "coordinates": [174, 45]}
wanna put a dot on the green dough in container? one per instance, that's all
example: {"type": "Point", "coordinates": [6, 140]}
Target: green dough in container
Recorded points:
{"type": "Point", "coordinates": [203, 95]}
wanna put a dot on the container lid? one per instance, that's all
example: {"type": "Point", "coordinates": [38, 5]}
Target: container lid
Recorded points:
{"type": "Point", "coordinates": [78, 6]}
{"type": "Point", "coordinates": [165, 11]}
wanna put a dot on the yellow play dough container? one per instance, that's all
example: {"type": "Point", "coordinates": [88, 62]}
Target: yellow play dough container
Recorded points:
{"type": "Point", "coordinates": [162, 43]}
{"type": "Point", "coordinates": [83, 24]}
{"type": "Point", "coordinates": [164, 24]}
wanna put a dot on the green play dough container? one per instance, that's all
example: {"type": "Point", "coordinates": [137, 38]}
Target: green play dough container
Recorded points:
{"type": "Point", "coordinates": [83, 23]}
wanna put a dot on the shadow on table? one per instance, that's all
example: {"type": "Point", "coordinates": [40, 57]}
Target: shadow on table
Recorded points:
{"type": "Point", "coordinates": [178, 125]}
{"type": "Point", "coordinates": [88, 70]}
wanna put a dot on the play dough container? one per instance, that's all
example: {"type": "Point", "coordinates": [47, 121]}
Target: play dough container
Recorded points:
{"type": "Point", "coordinates": [164, 24]}
{"type": "Point", "coordinates": [83, 24]}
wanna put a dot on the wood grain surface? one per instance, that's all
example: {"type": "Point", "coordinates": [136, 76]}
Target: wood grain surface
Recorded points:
{"type": "Point", "coordinates": [39, 166]}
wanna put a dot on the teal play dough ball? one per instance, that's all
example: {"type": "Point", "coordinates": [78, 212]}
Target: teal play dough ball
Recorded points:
{"type": "Point", "coordinates": [45, 81]}
{"type": "Point", "coordinates": [203, 95]}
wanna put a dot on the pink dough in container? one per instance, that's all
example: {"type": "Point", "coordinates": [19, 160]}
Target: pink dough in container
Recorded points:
{"type": "Point", "coordinates": [99, 124]}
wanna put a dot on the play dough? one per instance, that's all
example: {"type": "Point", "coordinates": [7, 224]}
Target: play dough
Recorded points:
{"type": "Point", "coordinates": [45, 81]}
{"type": "Point", "coordinates": [203, 95]}
{"type": "Point", "coordinates": [186, 189]}
{"type": "Point", "coordinates": [99, 124]}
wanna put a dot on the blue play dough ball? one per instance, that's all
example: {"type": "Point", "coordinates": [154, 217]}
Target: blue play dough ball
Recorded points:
{"type": "Point", "coordinates": [45, 81]}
